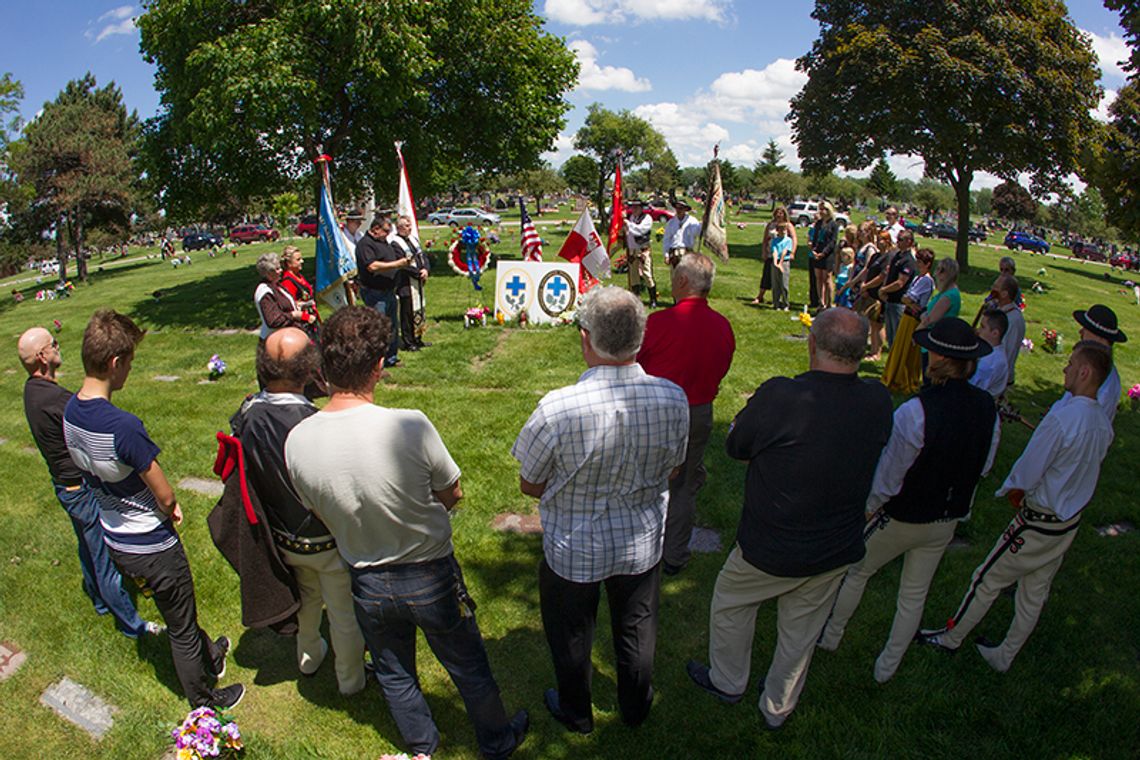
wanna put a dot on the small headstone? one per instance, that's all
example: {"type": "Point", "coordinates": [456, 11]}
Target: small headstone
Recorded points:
{"type": "Point", "coordinates": [228, 331]}
{"type": "Point", "coordinates": [958, 543]}
{"type": "Point", "coordinates": [166, 378]}
{"type": "Point", "coordinates": [11, 658]}
{"type": "Point", "coordinates": [1115, 529]}
{"type": "Point", "coordinates": [78, 704]}
{"type": "Point", "coordinates": [705, 540]}
{"type": "Point", "coordinates": [30, 450]}
{"type": "Point", "coordinates": [3, 441]}
{"type": "Point", "coordinates": [508, 522]}
{"type": "Point", "coordinates": [202, 486]}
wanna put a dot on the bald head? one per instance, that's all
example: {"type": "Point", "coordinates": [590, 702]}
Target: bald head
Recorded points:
{"type": "Point", "coordinates": [838, 340]}
{"type": "Point", "coordinates": [39, 352]}
{"type": "Point", "coordinates": [287, 361]}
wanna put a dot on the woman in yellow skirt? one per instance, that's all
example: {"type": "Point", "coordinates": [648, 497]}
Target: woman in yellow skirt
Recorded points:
{"type": "Point", "coordinates": [903, 373]}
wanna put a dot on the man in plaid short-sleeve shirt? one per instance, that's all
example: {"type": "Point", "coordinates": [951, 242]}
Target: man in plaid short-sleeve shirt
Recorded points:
{"type": "Point", "coordinates": [599, 454]}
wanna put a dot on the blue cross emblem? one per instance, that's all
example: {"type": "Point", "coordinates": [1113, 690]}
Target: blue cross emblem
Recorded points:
{"type": "Point", "coordinates": [556, 286]}
{"type": "Point", "coordinates": [516, 286]}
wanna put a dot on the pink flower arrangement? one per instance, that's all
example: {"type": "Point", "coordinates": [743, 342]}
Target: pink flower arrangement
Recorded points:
{"type": "Point", "coordinates": [1134, 392]}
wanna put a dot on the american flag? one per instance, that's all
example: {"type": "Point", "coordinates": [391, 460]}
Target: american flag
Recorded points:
{"type": "Point", "coordinates": [531, 242]}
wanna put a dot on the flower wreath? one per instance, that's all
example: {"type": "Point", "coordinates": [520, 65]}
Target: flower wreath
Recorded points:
{"type": "Point", "coordinates": [469, 254]}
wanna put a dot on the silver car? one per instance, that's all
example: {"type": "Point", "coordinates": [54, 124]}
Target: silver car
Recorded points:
{"type": "Point", "coordinates": [460, 217]}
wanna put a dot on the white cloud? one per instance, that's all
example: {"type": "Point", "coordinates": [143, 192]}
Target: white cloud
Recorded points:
{"type": "Point", "coordinates": [1111, 51]}
{"type": "Point", "coordinates": [590, 12]}
{"type": "Point", "coordinates": [591, 76]}
{"type": "Point", "coordinates": [689, 132]}
{"type": "Point", "coordinates": [751, 94]}
{"type": "Point", "coordinates": [120, 20]}
{"type": "Point", "coordinates": [563, 149]}
{"type": "Point", "coordinates": [1101, 111]}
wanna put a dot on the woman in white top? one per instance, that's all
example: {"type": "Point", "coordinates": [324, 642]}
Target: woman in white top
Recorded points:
{"type": "Point", "coordinates": [275, 306]}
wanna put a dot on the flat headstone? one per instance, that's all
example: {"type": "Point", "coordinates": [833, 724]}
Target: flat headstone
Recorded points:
{"type": "Point", "coordinates": [30, 450]}
{"type": "Point", "coordinates": [227, 331]}
{"type": "Point", "coordinates": [11, 658]}
{"type": "Point", "coordinates": [958, 543]}
{"type": "Point", "coordinates": [3, 441]}
{"type": "Point", "coordinates": [76, 703]}
{"type": "Point", "coordinates": [202, 486]}
{"type": "Point", "coordinates": [166, 378]}
{"type": "Point", "coordinates": [1115, 529]}
{"type": "Point", "coordinates": [508, 522]}
{"type": "Point", "coordinates": [705, 540]}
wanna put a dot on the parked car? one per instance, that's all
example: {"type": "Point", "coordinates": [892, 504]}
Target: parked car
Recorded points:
{"type": "Point", "coordinates": [1016, 240]}
{"type": "Point", "coordinates": [1089, 251]}
{"type": "Point", "coordinates": [197, 241]}
{"type": "Point", "coordinates": [802, 213]}
{"type": "Point", "coordinates": [1127, 260]}
{"type": "Point", "coordinates": [459, 217]}
{"type": "Point", "coordinates": [439, 216]}
{"type": "Point", "coordinates": [253, 233]}
{"type": "Point", "coordinates": [659, 214]}
{"type": "Point", "coordinates": [947, 231]}
{"type": "Point", "coordinates": [307, 227]}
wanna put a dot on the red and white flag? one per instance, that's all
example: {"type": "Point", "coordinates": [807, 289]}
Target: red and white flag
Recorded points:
{"type": "Point", "coordinates": [584, 246]}
{"type": "Point", "coordinates": [405, 206]}
{"type": "Point", "coordinates": [531, 242]}
{"type": "Point", "coordinates": [617, 211]}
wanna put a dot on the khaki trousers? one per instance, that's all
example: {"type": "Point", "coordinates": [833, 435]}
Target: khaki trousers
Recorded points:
{"type": "Point", "coordinates": [802, 607]}
{"type": "Point", "coordinates": [323, 582]}
{"type": "Point", "coordinates": [923, 545]}
{"type": "Point", "coordinates": [1029, 552]}
{"type": "Point", "coordinates": [640, 268]}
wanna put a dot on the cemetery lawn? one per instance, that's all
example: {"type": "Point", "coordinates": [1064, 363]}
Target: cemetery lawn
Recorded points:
{"type": "Point", "coordinates": [1074, 692]}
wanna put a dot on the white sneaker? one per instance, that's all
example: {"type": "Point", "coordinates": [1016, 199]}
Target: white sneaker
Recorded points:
{"type": "Point", "coordinates": [154, 629]}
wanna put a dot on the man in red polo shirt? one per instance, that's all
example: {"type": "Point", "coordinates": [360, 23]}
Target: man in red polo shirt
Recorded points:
{"type": "Point", "coordinates": [692, 345]}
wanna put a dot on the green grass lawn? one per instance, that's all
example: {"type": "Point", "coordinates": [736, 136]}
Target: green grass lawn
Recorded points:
{"type": "Point", "coordinates": [1074, 691]}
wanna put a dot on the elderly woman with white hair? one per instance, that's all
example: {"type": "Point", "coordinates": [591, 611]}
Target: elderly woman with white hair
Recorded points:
{"type": "Point", "coordinates": [275, 306]}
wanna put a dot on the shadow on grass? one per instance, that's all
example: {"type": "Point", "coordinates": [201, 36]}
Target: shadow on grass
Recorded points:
{"type": "Point", "coordinates": [223, 300]}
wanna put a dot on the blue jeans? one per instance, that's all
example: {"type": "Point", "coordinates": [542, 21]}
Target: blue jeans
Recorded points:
{"type": "Point", "coordinates": [892, 315]}
{"type": "Point", "coordinates": [101, 579]}
{"type": "Point", "coordinates": [385, 302]}
{"type": "Point", "coordinates": [390, 603]}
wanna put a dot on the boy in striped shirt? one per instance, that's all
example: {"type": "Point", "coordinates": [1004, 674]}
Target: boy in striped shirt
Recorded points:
{"type": "Point", "coordinates": [137, 506]}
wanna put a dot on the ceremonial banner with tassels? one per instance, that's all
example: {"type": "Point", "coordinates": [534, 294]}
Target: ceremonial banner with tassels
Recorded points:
{"type": "Point", "coordinates": [336, 263]}
{"type": "Point", "coordinates": [713, 230]}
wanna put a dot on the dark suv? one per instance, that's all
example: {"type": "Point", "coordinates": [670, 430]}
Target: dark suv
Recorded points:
{"type": "Point", "coordinates": [197, 241]}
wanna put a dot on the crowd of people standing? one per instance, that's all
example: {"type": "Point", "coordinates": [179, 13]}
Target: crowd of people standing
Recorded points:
{"type": "Point", "coordinates": [615, 460]}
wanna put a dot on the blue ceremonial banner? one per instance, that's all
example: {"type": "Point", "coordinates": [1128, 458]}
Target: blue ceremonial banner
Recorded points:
{"type": "Point", "coordinates": [336, 261]}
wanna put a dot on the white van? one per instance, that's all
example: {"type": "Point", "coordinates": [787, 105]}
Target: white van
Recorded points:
{"type": "Point", "coordinates": [802, 214]}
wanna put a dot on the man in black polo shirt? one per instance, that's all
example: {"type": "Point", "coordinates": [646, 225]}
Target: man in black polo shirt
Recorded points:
{"type": "Point", "coordinates": [378, 265]}
{"type": "Point", "coordinates": [802, 523]}
{"type": "Point", "coordinates": [901, 271]}
{"type": "Point", "coordinates": [44, 400]}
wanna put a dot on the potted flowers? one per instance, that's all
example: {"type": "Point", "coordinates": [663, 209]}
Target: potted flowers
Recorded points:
{"type": "Point", "coordinates": [206, 734]}
{"type": "Point", "coordinates": [1134, 396]}
{"type": "Point", "coordinates": [1050, 341]}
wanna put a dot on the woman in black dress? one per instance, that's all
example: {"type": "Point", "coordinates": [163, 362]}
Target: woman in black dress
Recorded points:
{"type": "Point", "coordinates": [823, 250]}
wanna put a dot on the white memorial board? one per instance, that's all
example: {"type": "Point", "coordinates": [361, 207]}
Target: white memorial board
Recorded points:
{"type": "Point", "coordinates": [547, 291]}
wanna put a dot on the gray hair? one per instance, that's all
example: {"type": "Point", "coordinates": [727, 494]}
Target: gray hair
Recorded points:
{"type": "Point", "coordinates": [698, 270]}
{"type": "Point", "coordinates": [615, 321]}
{"type": "Point", "coordinates": [841, 334]}
{"type": "Point", "coordinates": [1008, 261]}
{"type": "Point", "coordinates": [267, 262]}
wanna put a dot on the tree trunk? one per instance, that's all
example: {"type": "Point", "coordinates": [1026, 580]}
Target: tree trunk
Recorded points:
{"type": "Point", "coordinates": [80, 261]}
{"type": "Point", "coordinates": [961, 187]}
{"type": "Point", "coordinates": [60, 251]}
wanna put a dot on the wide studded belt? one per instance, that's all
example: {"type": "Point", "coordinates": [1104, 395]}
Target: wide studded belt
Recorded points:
{"type": "Point", "coordinates": [300, 545]}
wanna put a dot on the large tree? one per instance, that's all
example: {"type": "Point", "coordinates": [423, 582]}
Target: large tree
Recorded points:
{"type": "Point", "coordinates": [769, 160]}
{"type": "Point", "coordinates": [541, 182]}
{"type": "Point", "coordinates": [252, 92]}
{"type": "Point", "coordinates": [882, 181]}
{"type": "Point", "coordinates": [1012, 201]}
{"type": "Point", "coordinates": [969, 85]}
{"type": "Point", "coordinates": [606, 135]}
{"type": "Point", "coordinates": [580, 173]}
{"type": "Point", "coordinates": [78, 158]}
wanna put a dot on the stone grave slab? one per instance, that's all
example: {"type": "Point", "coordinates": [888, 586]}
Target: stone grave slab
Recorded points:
{"type": "Point", "coordinates": [79, 705]}
{"type": "Point", "coordinates": [166, 378]}
{"type": "Point", "coordinates": [201, 485]}
{"type": "Point", "coordinates": [3, 441]}
{"type": "Point", "coordinates": [11, 658]}
{"type": "Point", "coordinates": [705, 540]}
{"type": "Point", "coordinates": [508, 522]}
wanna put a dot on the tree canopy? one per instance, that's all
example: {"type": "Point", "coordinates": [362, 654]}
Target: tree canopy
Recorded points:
{"type": "Point", "coordinates": [1012, 201]}
{"type": "Point", "coordinates": [604, 135]}
{"type": "Point", "coordinates": [882, 181]}
{"type": "Point", "coordinates": [769, 160]}
{"type": "Point", "coordinates": [252, 92]}
{"type": "Point", "coordinates": [969, 85]}
{"type": "Point", "coordinates": [580, 173]}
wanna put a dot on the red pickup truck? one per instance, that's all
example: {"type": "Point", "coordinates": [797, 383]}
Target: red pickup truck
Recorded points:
{"type": "Point", "coordinates": [253, 233]}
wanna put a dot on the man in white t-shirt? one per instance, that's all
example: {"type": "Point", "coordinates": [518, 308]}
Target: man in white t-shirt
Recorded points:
{"type": "Point", "coordinates": [387, 505]}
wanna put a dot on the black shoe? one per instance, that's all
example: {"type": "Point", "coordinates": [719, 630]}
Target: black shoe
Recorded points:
{"type": "Point", "coordinates": [550, 699]}
{"type": "Point", "coordinates": [424, 344]}
{"type": "Point", "coordinates": [519, 724]}
{"type": "Point", "coordinates": [227, 698]}
{"type": "Point", "coordinates": [218, 666]}
{"type": "Point", "coordinates": [933, 638]}
{"type": "Point", "coordinates": [671, 569]}
{"type": "Point", "coordinates": [700, 675]}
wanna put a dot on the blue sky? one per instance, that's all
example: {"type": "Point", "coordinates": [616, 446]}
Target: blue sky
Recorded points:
{"type": "Point", "coordinates": [701, 71]}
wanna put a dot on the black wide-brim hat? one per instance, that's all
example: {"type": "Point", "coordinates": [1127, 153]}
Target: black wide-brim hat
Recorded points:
{"type": "Point", "coordinates": [953, 338]}
{"type": "Point", "coordinates": [1101, 320]}
{"type": "Point", "coordinates": [682, 203]}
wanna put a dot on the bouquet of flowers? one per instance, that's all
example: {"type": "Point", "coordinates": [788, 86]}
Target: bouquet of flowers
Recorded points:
{"type": "Point", "coordinates": [403, 756]}
{"type": "Point", "coordinates": [1027, 345]}
{"type": "Point", "coordinates": [1134, 396]}
{"type": "Point", "coordinates": [476, 316]}
{"type": "Point", "coordinates": [1050, 341]}
{"type": "Point", "coordinates": [216, 366]}
{"type": "Point", "coordinates": [206, 734]}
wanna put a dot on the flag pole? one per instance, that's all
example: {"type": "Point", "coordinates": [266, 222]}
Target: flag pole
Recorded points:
{"type": "Point", "coordinates": [708, 196]}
